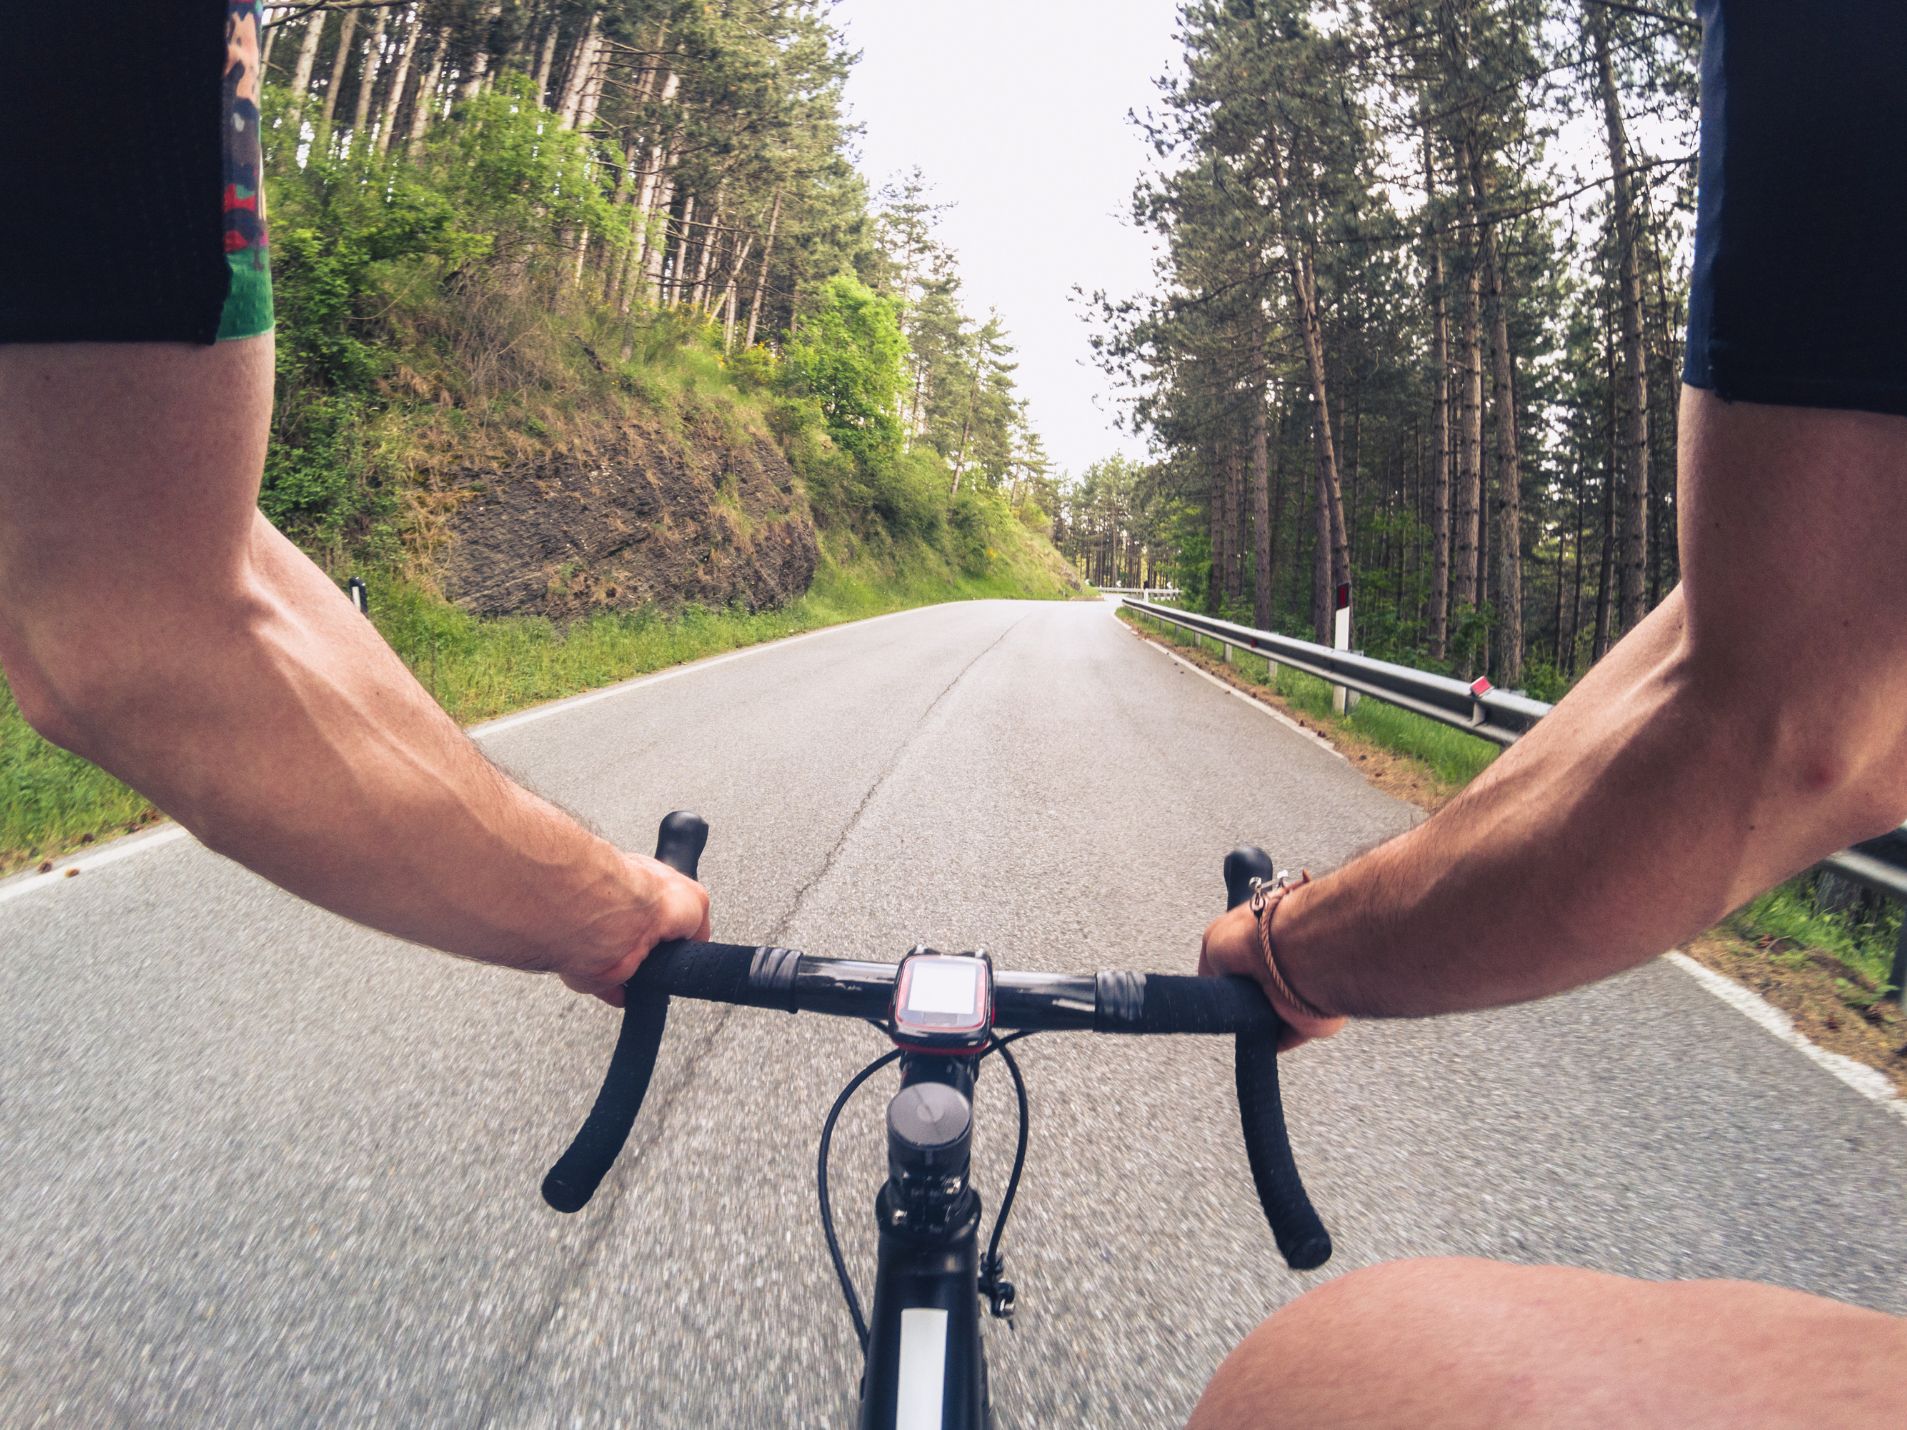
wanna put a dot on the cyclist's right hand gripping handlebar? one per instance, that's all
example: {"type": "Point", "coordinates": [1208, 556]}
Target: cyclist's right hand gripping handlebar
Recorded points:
{"type": "Point", "coordinates": [577, 1173]}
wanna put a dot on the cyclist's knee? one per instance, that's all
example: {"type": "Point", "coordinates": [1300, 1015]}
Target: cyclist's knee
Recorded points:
{"type": "Point", "coordinates": [1323, 1359]}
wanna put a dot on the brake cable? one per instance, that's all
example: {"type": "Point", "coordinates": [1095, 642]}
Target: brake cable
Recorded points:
{"type": "Point", "coordinates": [993, 1285]}
{"type": "Point", "coordinates": [821, 1185]}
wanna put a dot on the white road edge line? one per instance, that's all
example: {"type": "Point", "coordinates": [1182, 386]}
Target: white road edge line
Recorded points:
{"type": "Point", "coordinates": [124, 848]}
{"type": "Point", "coordinates": [1232, 690]}
{"type": "Point", "coordinates": [1870, 1083]}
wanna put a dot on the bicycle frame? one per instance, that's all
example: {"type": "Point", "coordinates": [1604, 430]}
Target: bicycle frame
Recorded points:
{"type": "Point", "coordinates": [926, 1365]}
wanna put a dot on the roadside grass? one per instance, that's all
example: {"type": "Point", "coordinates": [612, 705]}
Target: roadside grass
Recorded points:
{"type": "Point", "coordinates": [52, 802]}
{"type": "Point", "coordinates": [1862, 938]}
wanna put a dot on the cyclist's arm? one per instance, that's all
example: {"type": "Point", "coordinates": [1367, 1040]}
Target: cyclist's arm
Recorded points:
{"type": "Point", "coordinates": [152, 621]}
{"type": "Point", "coordinates": [1749, 727]}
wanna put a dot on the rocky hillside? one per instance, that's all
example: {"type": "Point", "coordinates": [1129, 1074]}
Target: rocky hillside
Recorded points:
{"type": "Point", "coordinates": [640, 515]}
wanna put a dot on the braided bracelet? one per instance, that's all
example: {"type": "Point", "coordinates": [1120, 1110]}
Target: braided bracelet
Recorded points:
{"type": "Point", "coordinates": [1266, 895]}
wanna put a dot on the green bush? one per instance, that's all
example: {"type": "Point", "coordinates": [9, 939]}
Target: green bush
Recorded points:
{"type": "Point", "coordinates": [978, 522]}
{"type": "Point", "coordinates": [848, 358]}
{"type": "Point", "coordinates": [908, 493]}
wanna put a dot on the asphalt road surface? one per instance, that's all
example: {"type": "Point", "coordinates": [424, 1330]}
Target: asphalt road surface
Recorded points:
{"type": "Point", "coordinates": [259, 1166]}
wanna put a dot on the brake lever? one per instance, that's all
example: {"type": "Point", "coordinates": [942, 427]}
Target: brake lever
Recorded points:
{"type": "Point", "coordinates": [573, 1180]}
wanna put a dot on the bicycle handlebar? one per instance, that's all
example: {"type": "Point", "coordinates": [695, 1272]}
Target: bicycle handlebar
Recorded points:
{"type": "Point", "coordinates": [1113, 1001]}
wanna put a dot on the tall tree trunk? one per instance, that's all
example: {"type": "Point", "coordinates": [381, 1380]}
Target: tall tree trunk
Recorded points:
{"type": "Point", "coordinates": [394, 99]}
{"type": "Point", "coordinates": [590, 105]}
{"type": "Point", "coordinates": [1216, 487]}
{"type": "Point", "coordinates": [675, 282]}
{"type": "Point", "coordinates": [1440, 468]}
{"type": "Point", "coordinates": [654, 263]}
{"type": "Point", "coordinates": [1567, 662]}
{"type": "Point", "coordinates": [761, 278]}
{"type": "Point", "coordinates": [582, 69]}
{"type": "Point", "coordinates": [1635, 403]}
{"type": "Point", "coordinates": [1322, 595]}
{"type": "Point", "coordinates": [731, 297]}
{"type": "Point", "coordinates": [653, 201]}
{"type": "Point", "coordinates": [300, 87]}
{"type": "Point", "coordinates": [1304, 293]}
{"type": "Point", "coordinates": [546, 60]}
{"type": "Point", "coordinates": [1260, 454]}
{"type": "Point", "coordinates": [1507, 537]}
{"type": "Point", "coordinates": [1234, 522]}
{"type": "Point", "coordinates": [1604, 596]}
{"type": "Point", "coordinates": [1467, 590]}
{"type": "Point", "coordinates": [711, 235]}
{"type": "Point", "coordinates": [480, 62]}
{"type": "Point", "coordinates": [615, 267]}
{"type": "Point", "coordinates": [367, 78]}
{"type": "Point", "coordinates": [424, 107]}
{"type": "Point", "coordinates": [338, 64]}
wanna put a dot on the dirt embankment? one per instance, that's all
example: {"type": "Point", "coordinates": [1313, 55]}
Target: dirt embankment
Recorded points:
{"type": "Point", "coordinates": [639, 514]}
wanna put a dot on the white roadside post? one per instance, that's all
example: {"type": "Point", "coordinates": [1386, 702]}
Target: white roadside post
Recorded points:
{"type": "Point", "coordinates": [1342, 700]}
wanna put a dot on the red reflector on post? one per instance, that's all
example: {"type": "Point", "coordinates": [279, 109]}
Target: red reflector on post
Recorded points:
{"type": "Point", "coordinates": [1344, 594]}
{"type": "Point", "coordinates": [1481, 685]}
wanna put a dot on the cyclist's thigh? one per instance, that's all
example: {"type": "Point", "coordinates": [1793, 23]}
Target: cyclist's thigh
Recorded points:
{"type": "Point", "coordinates": [1478, 1345]}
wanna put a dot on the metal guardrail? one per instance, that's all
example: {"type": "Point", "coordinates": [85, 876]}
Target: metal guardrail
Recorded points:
{"type": "Point", "coordinates": [1169, 593]}
{"type": "Point", "coordinates": [1488, 714]}
{"type": "Point", "coordinates": [1878, 864]}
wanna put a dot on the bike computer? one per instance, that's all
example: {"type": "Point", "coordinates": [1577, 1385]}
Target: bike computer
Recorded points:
{"type": "Point", "coordinates": [943, 1003]}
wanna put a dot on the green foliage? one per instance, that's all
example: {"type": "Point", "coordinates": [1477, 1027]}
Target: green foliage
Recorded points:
{"type": "Point", "coordinates": [848, 358]}
{"type": "Point", "coordinates": [1864, 937]}
{"type": "Point", "coordinates": [517, 180]}
{"type": "Point", "coordinates": [755, 369]}
{"type": "Point", "coordinates": [321, 487]}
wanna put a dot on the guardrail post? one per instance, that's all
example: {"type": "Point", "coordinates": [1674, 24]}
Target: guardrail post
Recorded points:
{"type": "Point", "coordinates": [360, 597]}
{"type": "Point", "coordinates": [1898, 976]}
{"type": "Point", "coordinates": [1341, 640]}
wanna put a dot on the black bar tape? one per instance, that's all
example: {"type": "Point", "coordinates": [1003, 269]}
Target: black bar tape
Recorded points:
{"type": "Point", "coordinates": [578, 1172]}
{"type": "Point", "coordinates": [1186, 1003]}
{"type": "Point", "coordinates": [712, 972]}
{"type": "Point", "coordinates": [1295, 1225]}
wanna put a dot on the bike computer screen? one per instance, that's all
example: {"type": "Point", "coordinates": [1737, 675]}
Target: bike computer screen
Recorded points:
{"type": "Point", "coordinates": [943, 1002]}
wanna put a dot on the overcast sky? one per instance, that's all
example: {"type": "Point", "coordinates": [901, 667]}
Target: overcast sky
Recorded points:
{"type": "Point", "coordinates": [1016, 111]}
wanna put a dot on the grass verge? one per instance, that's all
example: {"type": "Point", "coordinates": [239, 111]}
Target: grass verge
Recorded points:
{"type": "Point", "coordinates": [52, 802]}
{"type": "Point", "coordinates": [1826, 970]}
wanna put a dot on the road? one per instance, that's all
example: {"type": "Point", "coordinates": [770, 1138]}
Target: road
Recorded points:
{"type": "Point", "coordinates": [261, 1166]}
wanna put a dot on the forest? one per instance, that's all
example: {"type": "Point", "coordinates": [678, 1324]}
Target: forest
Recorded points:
{"type": "Point", "coordinates": [462, 184]}
{"type": "Point", "coordinates": [1417, 326]}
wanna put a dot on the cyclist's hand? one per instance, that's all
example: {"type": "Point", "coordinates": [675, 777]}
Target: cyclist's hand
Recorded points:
{"type": "Point", "coordinates": [1231, 946]}
{"type": "Point", "coordinates": [668, 906]}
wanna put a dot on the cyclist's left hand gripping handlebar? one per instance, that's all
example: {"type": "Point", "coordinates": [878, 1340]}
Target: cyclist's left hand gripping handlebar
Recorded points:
{"type": "Point", "coordinates": [579, 1171]}
{"type": "Point", "coordinates": [1295, 1225]}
